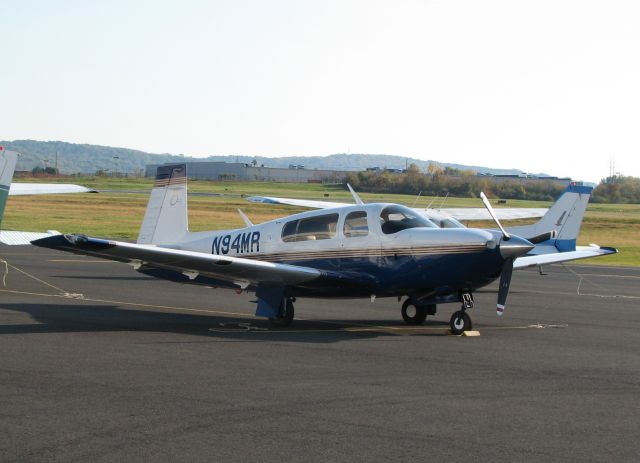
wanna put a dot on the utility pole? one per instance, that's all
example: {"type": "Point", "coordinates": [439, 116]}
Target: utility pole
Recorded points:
{"type": "Point", "coordinates": [115, 158]}
{"type": "Point", "coordinates": [56, 163]}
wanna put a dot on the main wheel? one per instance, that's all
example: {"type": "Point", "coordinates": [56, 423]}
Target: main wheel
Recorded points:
{"type": "Point", "coordinates": [285, 317]}
{"type": "Point", "coordinates": [413, 314]}
{"type": "Point", "coordinates": [460, 322]}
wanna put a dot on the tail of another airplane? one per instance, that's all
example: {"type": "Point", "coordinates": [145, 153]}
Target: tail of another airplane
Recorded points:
{"type": "Point", "coordinates": [561, 224]}
{"type": "Point", "coordinates": [166, 220]}
{"type": "Point", "coordinates": [8, 160]}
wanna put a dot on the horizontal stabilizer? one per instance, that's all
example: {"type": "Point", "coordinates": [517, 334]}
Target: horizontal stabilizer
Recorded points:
{"type": "Point", "coordinates": [581, 252]}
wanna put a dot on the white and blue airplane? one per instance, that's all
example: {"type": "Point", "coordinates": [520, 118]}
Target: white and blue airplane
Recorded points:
{"type": "Point", "coordinates": [357, 251]}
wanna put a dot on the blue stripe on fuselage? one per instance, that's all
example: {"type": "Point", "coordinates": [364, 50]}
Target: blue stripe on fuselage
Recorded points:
{"type": "Point", "coordinates": [408, 274]}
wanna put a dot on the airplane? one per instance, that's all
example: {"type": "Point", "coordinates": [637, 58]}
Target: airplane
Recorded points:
{"type": "Point", "coordinates": [8, 161]}
{"type": "Point", "coordinates": [355, 251]}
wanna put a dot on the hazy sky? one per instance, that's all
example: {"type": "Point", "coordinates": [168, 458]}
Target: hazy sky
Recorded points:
{"type": "Point", "coordinates": [544, 86]}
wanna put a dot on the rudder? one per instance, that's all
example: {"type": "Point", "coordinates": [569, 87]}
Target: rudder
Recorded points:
{"type": "Point", "coordinates": [564, 219]}
{"type": "Point", "coordinates": [166, 220]}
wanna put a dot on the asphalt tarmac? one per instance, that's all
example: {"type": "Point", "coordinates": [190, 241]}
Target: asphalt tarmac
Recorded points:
{"type": "Point", "coordinates": [101, 364]}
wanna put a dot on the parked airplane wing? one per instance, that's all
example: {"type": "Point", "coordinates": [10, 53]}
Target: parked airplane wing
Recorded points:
{"type": "Point", "coordinates": [310, 203]}
{"type": "Point", "coordinates": [459, 213]}
{"type": "Point", "coordinates": [237, 270]}
{"type": "Point", "coordinates": [46, 189]}
{"type": "Point", "coordinates": [581, 252]}
{"type": "Point", "coordinates": [13, 238]}
{"type": "Point", "coordinates": [504, 213]}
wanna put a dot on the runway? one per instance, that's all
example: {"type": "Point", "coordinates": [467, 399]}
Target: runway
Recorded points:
{"type": "Point", "coordinates": [99, 363]}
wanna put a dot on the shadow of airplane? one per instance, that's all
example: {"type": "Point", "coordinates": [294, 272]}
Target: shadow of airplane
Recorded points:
{"type": "Point", "coordinates": [65, 318]}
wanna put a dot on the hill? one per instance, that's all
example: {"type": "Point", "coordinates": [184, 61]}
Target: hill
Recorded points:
{"type": "Point", "coordinates": [87, 159]}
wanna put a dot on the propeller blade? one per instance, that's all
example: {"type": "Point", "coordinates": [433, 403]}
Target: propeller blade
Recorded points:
{"type": "Point", "coordinates": [505, 281]}
{"type": "Point", "coordinates": [486, 203]}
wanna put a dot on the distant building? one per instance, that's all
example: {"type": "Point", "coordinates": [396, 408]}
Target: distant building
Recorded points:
{"type": "Point", "coordinates": [213, 170]}
{"type": "Point", "coordinates": [524, 178]}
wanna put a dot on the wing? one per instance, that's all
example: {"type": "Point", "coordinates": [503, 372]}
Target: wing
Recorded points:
{"type": "Point", "coordinates": [459, 213]}
{"type": "Point", "coordinates": [581, 252]}
{"type": "Point", "coordinates": [310, 203]}
{"type": "Point", "coordinates": [504, 213]}
{"type": "Point", "coordinates": [236, 270]}
{"type": "Point", "coordinates": [46, 189]}
{"type": "Point", "coordinates": [13, 238]}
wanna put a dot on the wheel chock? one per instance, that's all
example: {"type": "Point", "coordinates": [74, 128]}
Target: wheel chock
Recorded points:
{"type": "Point", "coordinates": [465, 333]}
{"type": "Point", "coordinates": [471, 333]}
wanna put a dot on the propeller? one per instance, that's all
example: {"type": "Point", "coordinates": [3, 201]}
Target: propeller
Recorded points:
{"type": "Point", "coordinates": [503, 289]}
{"type": "Point", "coordinates": [493, 215]}
{"type": "Point", "coordinates": [510, 248]}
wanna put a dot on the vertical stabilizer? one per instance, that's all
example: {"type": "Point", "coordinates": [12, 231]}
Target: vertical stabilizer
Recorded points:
{"type": "Point", "coordinates": [8, 160]}
{"type": "Point", "coordinates": [563, 219]}
{"type": "Point", "coordinates": [165, 220]}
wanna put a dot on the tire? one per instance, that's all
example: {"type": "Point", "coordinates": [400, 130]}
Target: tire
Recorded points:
{"type": "Point", "coordinates": [460, 322]}
{"type": "Point", "coordinates": [286, 317]}
{"type": "Point", "coordinates": [413, 314]}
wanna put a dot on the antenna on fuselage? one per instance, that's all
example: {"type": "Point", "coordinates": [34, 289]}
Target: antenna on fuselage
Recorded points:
{"type": "Point", "coordinates": [443, 200]}
{"type": "Point", "coordinates": [246, 219]}
{"type": "Point", "coordinates": [417, 198]}
{"type": "Point", "coordinates": [356, 198]}
{"type": "Point", "coordinates": [431, 202]}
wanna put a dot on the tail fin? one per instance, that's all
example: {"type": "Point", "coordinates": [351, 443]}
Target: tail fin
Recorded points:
{"type": "Point", "coordinates": [166, 220]}
{"type": "Point", "coordinates": [8, 160]}
{"type": "Point", "coordinates": [563, 219]}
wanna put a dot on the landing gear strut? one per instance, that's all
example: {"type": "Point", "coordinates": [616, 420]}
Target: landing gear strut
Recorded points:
{"type": "Point", "coordinates": [285, 316]}
{"type": "Point", "coordinates": [460, 320]}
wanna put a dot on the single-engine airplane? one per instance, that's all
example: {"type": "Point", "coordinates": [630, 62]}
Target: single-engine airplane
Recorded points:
{"type": "Point", "coordinates": [359, 251]}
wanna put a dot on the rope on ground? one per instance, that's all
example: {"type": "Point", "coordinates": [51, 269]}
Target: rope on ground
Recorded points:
{"type": "Point", "coordinates": [62, 292]}
{"type": "Point", "coordinates": [582, 278]}
{"type": "Point", "coordinates": [5, 273]}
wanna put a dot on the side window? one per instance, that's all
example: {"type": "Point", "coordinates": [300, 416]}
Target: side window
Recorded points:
{"type": "Point", "coordinates": [289, 231]}
{"type": "Point", "coordinates": [320, 227]}
{"type": "Point", "coordinates": [355, 224]}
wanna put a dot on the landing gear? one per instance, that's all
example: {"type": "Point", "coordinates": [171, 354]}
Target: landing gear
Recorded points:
{"type": "Point", "coordinates": [285, 317]}
{"type": "Point", "coordinates": [413, 314]}
{"type": "Point", "coordinates": [460, 320]}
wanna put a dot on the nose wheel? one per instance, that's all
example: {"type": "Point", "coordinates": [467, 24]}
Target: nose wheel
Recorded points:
{"type": "Point", "coordinates": [460, 320]}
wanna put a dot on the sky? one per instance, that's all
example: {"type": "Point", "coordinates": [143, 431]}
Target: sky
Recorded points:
{"type": "Point", "coordinates": [545, 86]}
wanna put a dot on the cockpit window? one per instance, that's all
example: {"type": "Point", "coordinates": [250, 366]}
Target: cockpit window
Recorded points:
{"type": "Point", "coordinates": [450, 222]}
{"type": "Point", "coordinates": [355, 224]}
{"type": "Point", "coordinates": [396, 218]}
{"type": "Point", "coordinates": [319, 227]}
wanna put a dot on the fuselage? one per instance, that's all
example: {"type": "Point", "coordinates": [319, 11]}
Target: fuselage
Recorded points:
{"type": "Point", "coordinates": [398, 251]}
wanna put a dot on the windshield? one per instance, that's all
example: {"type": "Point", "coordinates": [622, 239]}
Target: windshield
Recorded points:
{"type": "Point", "coordinates": [396, 218]}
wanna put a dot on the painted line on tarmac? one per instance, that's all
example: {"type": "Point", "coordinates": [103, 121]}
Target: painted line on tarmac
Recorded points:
{"type": "Point", "coordinates": [558, 293]}
{"type": "Point", "coordinates": [76, 261]}
{"type": "Point", "coordinates": [633, 277]}
{"type": "Point", "coordinates": [135, 304]}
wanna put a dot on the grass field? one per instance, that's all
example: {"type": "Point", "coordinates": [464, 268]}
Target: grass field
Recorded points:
{"type": "Point", "coordinates": [118, 215]}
